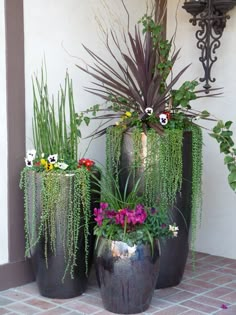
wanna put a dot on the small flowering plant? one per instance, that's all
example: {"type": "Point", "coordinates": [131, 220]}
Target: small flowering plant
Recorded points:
{"type": "Point", "coordinates": [123, 216]}
{"type": "Point", "coordinates": [53, 162]}
{"type": "Point", "coordinates": [139, 225]}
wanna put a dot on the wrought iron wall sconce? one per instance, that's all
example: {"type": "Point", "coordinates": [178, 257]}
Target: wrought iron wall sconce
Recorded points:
{"type": "Point", "coordinates": [211, 17]}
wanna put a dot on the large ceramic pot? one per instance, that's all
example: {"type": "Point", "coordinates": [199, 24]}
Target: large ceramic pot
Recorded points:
{"type": "Point", "coordinates": [50, 268]}
{"type": "Point", "coordinates": [176, 249]}
{"type": "Point", "coordinates": [126, 275]}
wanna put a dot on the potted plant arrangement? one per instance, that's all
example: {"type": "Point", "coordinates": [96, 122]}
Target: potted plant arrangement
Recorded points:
{"type": "Point", "coordinates": [57, 196]}
{"type": "Point", "coordinates": [156, 132]}
{"type": "Point", "coordinates": [127, 250]}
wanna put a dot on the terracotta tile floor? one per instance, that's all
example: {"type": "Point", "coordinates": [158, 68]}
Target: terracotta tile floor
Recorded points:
{"type": "Point", "coordinates": [207, 290]}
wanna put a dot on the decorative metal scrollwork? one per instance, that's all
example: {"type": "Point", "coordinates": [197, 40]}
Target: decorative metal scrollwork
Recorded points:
{"type": "Point", "coordinates": [210, 16]}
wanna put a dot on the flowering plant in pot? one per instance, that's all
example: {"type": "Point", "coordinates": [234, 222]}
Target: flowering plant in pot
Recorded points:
{"type": "Point", "coordinates": [128, 234]}
{"type": "Point", "coordinates": [155, 125]}
{"type": "Point", "coordinates": [57, 196]}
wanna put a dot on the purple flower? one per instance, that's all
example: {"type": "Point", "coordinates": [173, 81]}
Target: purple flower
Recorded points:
{"type": "Point", "coordinates": [224, 307]}
{"type": "Point", "coordinates": [103, 205]}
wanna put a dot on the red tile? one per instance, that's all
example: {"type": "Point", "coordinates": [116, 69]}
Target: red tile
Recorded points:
{"type": "Point", "coordinates": [82, 307]}
{"type": "Point", "coordinates": [192, 288]}
{"type": "Point", "coordinates": [91, 300]}
{"type": "Point", "coordinates": [193, 312]}
{"type": "Point", "coordinates": [230, 311]}
{"type": "Point", "coordinates": [173, 310]}
{"type": "Point", "coordinates": [199, 307]}
{"type": "Point", "coordinates": [219, 292]}
{"type": "Point", "coordinates": [165, 292]}
{"type": "Point", "coordinates": [42, 304]}
{"type": "Point", "coordinates": [231, 285]}
{"type": "Point", "coordinates": [200, 283]}
{"type": "Point", "coordinates": [209, 275]}
{"type": "Point", "coordinates": [228, 271]}
{"type": "Point", "coordinates": [227, 261]}
{"type": "Point", "coordinates": [209, 301]}
{"type": "Point", "coordinates": [30, 288]}
{"type": "Point", "coordinates": [3, 311]}
{"type": "Point", "coordinates": [211, 259]}
{"type": "Point", "coordinates": [56, 311]}
{"type": "Point", "coordinates": [15, 295]}
{"type": "Point", "coordinates": [224, 279]}
{"type": "Point", "coordinates": [158, 303]}
{"type": "Point", "coordinates": [231, 297]}
{"type": "Point", "coordinates": [178, 297]}
{"type": "Point", "coordinates": [23, 308]}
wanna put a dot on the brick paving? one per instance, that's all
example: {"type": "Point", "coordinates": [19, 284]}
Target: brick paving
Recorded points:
{"type": "Point", "coordinates": [210, 289]}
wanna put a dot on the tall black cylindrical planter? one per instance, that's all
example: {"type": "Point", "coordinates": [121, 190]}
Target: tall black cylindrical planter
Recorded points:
{"type": "Point", "coordinates": [176, 249]}
{"type": "Point", "coordinates": [126, 275]}
{"type": "Point", "coordinates": [50, 268]}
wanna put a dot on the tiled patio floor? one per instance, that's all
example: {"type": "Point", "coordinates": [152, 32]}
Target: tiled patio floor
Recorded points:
{"type": "Point", "coordinates": [208, 290]}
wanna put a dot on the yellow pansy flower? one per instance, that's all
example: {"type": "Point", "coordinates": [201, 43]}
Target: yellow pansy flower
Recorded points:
{"type": "Point", "coordinates": [43, 162]}
{"type": "Point", "coordinates": [128, 114]}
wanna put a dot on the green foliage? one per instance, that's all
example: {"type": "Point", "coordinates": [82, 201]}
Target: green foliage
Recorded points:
{"type": "Point", "coordinates": [224, 136]}
{"type": "Point", "coordinates": [171, 166]}
{"type": "Point", "coordinates": [52, 133]}
{"type": "Point", "coordinates": [57, 205]}
{"type": "Point", "coordinates": [197, 143]}
{"type": "Point", "coordinates": [151, 224]}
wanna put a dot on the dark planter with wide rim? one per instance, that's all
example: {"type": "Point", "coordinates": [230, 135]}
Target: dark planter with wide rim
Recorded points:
{"type": "Point", "coordinates": [126, 275]}
{"type": "Point", "coordinates": [49, 271]}
{"type": "Point", "coordinates": [174, 251]}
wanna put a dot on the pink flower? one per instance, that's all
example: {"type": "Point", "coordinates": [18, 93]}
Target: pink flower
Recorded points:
{"type": "Point", "coordinates": [224, 307]}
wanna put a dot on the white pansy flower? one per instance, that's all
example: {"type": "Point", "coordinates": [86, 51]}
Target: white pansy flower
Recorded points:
{"type": "Point", "coordinates": [31, 154]}
{"type": "Point", "coordinates": [174, 229]}
{"type": "Point", "coordinates": [175, 234]}
{"type": "Point", "coordinates": [163, 119]}
{"type": "Point", "coordinates": [28, 162]}
{"type": "Point", "coordinates": [52, 158]}
{"type": "Point", "coordinates": [62, 166]}
{"type": "Point", "coordinates": [149, 111]}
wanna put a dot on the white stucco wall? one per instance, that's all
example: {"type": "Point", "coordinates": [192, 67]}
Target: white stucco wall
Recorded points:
{"type": "Point", "coordinates": [217, 233]}
{"type": "Point", "coordinates": [56, 30]}
{"type": "Point", "coordinates": [3, 143]}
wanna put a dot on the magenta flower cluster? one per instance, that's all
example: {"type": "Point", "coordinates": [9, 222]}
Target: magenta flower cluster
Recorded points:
{"type": "Point", "coordinates": [130, 216]}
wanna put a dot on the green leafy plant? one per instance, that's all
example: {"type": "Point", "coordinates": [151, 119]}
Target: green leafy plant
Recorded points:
{"type": "Point", "coordinates": [123, 216]}
{"type": "Point", "coordinates": [224, 136]}
{"type": "Point", "coordinates": [57, 197]}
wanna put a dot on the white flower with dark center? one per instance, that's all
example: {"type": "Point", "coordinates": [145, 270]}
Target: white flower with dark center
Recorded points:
{"type": "Point", "coordinates": [31, 154]}
{"type": "Point", "coordinates": [52, 158]}
{"type": "Point", "coordinates": [163, 119]}
{"type": "Point", "coordinates": [62, 166]}
{"type": "Point", "coordinates": [149, 111]}
{"type": "Point", "coordinates": [28, 162]}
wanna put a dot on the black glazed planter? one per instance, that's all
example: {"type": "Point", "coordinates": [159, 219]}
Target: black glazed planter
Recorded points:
{"type": "Point", "coordinates": [174, 251]}
{"type": "Point", "coordinates": [126, 275]}
{"type": "Point", "coordinates": [49, 272]}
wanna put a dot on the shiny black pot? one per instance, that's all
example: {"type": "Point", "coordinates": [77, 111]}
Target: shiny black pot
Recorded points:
{"type": "Point", "coordinates": [126, 275]}
{"type": "Point", "coordinates": [49, 272]}
{"type": "Point", "coordinates": [176, 249]}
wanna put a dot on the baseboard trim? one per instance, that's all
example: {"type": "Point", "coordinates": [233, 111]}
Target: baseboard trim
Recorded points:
{"type": "Point", "coordinates": [15, 274]}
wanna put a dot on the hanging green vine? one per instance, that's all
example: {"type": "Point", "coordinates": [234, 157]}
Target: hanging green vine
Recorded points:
{"type": "Point", "coordinates": [170, 166]}
{"type": "Point", "coordinates": [197, 143]}
{"type": "Point", "coordinates": [113, 150]}
{"type": "Point", "coordinates": [50, 194]}
{"type": "Point", "coordinates": [164, 154]}
{"type": "Point", "coordinates": [151, 173]}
